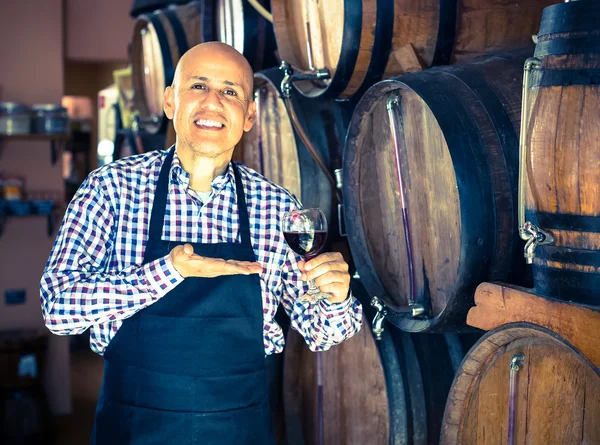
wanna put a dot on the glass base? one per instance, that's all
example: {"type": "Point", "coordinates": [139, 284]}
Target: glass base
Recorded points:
{"type": "Point", "coordinates": [314, 297]}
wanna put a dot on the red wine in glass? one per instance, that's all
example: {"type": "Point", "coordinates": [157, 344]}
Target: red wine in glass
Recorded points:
{"type": "Point", "coordinates": [308, 245]}
{"type": "Point", "coordinates": [305, 231]}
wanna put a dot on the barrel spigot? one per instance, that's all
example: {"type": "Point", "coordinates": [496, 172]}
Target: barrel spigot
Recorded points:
{"type": "Point", "coordinates": [417, 309]}
{"type": "Point", "coordinates": [295, 74]}
{"type": "Point", "coordinates": [516, 361]}
{"type": "Point", "coordinates": [534, 237]}
{"type": "Point", "coordinates": [379, 317]}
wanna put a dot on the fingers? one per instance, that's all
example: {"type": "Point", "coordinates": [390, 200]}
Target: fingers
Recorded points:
{"type": "Point", "coordinates": [323, 264]}
{"type": "Point", "coordinates": [301, 265]}
{"type": "Point", "coordinates": [189, 264]}
{"type": "Point", "coordinates": [188, 249]}
{"type": "Point", "coordinates": [338, 291]}
{"type": "Point", "coordinates": [329, 257]}
{"type": "Point", "coordinates": [182, 251]}
{"type": "Point", "coordinates": [330, 274]}
{"type": "Point", "coordinates": [214, 267]}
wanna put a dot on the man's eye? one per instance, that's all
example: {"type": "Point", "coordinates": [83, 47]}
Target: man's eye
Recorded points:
{"type": "Point", "coordinates": [198, 86]}
{"type": "Point", "coordinates": [230, 93]}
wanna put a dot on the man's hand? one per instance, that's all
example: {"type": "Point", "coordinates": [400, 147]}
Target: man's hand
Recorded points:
{"type": "Point", "coordinates": [188, 264]}
{"type": "Point", "coordinates": [330, 272]}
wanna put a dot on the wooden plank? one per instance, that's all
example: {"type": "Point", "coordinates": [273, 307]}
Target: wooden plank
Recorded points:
{"type": "Point", "coordinates": [470, 428]}
{"type": "Point", "coordinates": [567, 150]}
{"type": "Point", "coordinates": [591, 409]}
{"type": "Point", "coordinates": [541, 158]}
{"type": "Point", "coordinates": [556, 395]}
{"type": "Point", "coordinates": [501, 304]}
{"type": "Point", "coordinates": [589, 155]}
{"type": "Point", "coordinates": [493, 404]}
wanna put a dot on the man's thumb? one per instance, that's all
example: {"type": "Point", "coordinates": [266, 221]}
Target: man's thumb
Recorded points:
{"type": "Point", "coordinates": [188, 249]}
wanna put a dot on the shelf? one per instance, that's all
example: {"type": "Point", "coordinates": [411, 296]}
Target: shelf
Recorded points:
{"type": "Point", "coordinates": [52, 138]}
{"type": "Point", "coordinates": [28, 208]}
{"type": "Point", "coordinates": [35, 137]}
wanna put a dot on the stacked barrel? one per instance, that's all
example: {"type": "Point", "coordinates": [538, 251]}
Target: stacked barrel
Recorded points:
{"type": "Point", "coordinates": [444, 157]}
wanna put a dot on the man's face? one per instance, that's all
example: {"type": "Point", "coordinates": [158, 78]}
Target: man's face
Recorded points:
{"type": "Point", "coordinates": [210, 103]}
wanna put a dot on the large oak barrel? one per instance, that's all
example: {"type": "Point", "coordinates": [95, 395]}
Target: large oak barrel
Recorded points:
{"type": "Point", "coordinates": [556, 399]}
{"type": "Point", "coordinates": [386, 392]}
{"type": "Point", "coordinates": [458, 145]}
{"type": "Point", "coordinates": [241, 26]}
{"type": "Point", "coordinates": [159, 40]}
{"type": "Point", "coordinates": [563, 162]}
{"type": "Point", "coordinates": [276, 151]}
{"type": "Point", "coordinates": [364, 41]}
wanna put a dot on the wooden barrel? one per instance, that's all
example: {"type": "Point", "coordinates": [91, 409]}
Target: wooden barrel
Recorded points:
{"type": "Point", "coordinates": [458, 146]}
{"type": "Point", "coordinates": [275, 150]}
{"type": "Point", "coordinates": [241, 26]}
{"type": "Point", "coordinates": [159, 40]}
{"type": "Point", "coordinates": [556, 399]}
{"type": "Point", "coordinates": [386, 392]}
{"type": "Point", "coordinates": [563, 162]}
{"type": "Point", "coordinates": [363, 41]}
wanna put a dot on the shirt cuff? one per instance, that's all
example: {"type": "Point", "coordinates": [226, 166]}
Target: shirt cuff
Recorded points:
{"type": "Point", "coordinates": [161, 276]}
{"type": "Point", "coordinates": [334, 310]}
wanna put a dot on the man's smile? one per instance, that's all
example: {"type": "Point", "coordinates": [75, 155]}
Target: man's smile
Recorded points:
{"type": "Point", "coordinates": [209, 124]}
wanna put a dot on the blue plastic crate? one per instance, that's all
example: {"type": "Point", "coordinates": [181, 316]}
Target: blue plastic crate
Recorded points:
{"type": "Point", "coordinates": [19, 208]}
{"type": "Point", "coordinates": [42, 207]}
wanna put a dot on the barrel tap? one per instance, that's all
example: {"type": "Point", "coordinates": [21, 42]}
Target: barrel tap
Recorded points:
{"type": "Point", "coordinates": [379, 317]}
{"type": "Point", "coordinates": [534, 237]}
{"type": "Point", "coordinates": [295, 74]}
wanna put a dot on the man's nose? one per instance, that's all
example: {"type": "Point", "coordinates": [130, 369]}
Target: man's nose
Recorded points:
{"type": "Point", "coordinates": [212, 100]}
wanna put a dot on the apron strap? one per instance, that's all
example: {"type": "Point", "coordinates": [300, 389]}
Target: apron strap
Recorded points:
{"type": "Point", "coordinates": [242, 208]}
{"type": "Point", "coordinates": [160, 202]}
{"type": "Point", "coordinates": [160, 199]}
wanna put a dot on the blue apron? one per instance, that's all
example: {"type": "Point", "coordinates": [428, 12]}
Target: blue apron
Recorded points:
{"type": "Point", "coordinates": [190, 368]}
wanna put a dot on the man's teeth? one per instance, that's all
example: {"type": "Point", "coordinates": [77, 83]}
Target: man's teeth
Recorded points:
{"type": "Point", "coordinates": [207, 123]}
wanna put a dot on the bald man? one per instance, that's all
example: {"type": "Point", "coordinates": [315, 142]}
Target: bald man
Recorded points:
{"type": "Point", "coordinates": [177, 263]}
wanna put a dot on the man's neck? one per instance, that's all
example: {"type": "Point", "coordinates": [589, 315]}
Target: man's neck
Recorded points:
{"type": "Point", "coordinates": [203, 170]}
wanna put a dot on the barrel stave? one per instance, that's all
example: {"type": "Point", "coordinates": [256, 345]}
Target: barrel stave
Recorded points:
{"type": "Point", "coordinates": [485, 26]}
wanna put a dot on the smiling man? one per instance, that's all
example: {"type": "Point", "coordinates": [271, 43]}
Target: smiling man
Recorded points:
{"type": "Point", "coordinates": [176, 262]}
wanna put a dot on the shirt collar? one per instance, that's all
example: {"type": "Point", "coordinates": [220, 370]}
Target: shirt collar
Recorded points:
{"type": "Point", "coordinates": [178, 174]}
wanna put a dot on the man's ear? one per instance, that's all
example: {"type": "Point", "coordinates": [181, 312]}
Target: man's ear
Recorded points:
{"type": "Point", "coordinates": [250, 116]}
{"type": "Point", "coordinates": [169, 102]}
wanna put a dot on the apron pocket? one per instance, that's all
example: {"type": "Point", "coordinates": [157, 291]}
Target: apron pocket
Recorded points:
{"type": "Point", "coordinates": [244, 426]}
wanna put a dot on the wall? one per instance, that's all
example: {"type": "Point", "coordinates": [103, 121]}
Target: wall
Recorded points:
{"type": "Point", "coordinates": [98, 30]}
{"type": "Point", "coordinates": [31, 71]}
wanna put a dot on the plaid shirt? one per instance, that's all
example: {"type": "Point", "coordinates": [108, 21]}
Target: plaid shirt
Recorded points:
{"type": "Point", "coordinates": [95, 279]}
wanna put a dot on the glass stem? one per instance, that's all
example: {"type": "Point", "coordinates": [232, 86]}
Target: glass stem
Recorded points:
{"type": "Point", "coordinates": [312, 288]}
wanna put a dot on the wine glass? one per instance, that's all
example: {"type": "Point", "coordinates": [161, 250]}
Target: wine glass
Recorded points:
{"type": "Point", "coordinates": [305, 231]}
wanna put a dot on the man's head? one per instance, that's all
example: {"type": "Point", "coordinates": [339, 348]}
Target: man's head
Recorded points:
{"type": "Point", "coordinates": [211, 99]}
